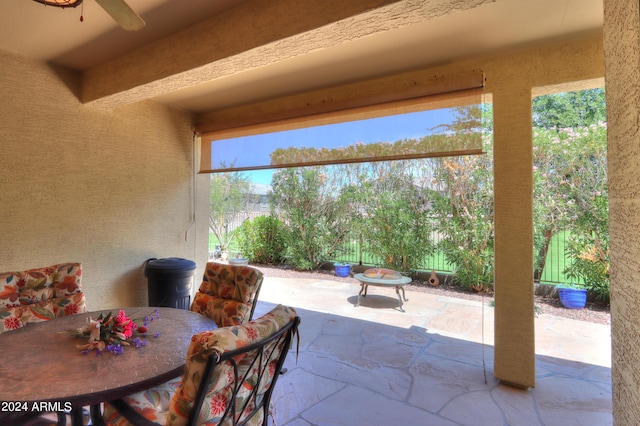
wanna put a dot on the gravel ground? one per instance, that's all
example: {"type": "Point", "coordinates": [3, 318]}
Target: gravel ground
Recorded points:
{"type": "Point", "coordinates": [543, 305]}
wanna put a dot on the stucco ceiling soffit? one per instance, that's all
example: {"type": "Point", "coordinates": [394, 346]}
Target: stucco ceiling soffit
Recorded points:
{"type": "Point", "coordinates": [226, 45]}
{"type": "Point", "coordinates": [250, 25]}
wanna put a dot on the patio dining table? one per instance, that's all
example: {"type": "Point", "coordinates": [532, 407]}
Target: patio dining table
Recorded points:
{"type": "Point", "coordinates": [43, 370]}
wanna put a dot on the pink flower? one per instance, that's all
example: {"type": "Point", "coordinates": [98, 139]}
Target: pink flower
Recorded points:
{"type": "Point", "coordinates": [121, 318]}
{"type": "Point", "coordinates": [124, 324]}
{"type": "Point", "coordinates": [128, 329]}
{"type": "Point", "coordinates": [110, 332]}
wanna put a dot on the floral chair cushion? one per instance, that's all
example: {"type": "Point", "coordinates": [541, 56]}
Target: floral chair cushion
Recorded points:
{"type": "Point", "coordinates": [40, 294]}
{"type": "Point", "coordinates": [152, 404]}
{"type": "Point", "coordinates": [223, 312]}
{"type": "Point", "coordinates": [227, 293]}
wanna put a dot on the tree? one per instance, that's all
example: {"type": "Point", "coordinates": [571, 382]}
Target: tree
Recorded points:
{"type": "Point", "coordinates": [550, 210]}
{"type": "Point", "coordinates": [391, 213]}
{"type": "Point", "coordinates": [229, 196]}
{"type": "Point", "coordinates": [465, 209]}
{"type": "Point", "coordinates": [569, 151]}
{"type": "Point", "coordinates": [569, 110]}
{"type": "Point", "coordinates": [464, 206]}
{"type": "Point", "coordinates": [315, 214]}
{"type": "Point", "coordinates": [586, 188]}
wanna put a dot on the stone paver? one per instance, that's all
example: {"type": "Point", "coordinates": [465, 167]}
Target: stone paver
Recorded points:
{"type": "Point", "coordinates": [432, 364]}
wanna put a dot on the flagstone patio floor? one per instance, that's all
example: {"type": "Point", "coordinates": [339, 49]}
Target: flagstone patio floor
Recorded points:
{"type": "Point", "coordinates": [429, 365]}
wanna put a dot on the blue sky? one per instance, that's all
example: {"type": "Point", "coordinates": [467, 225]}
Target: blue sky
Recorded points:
{"type": "Point", "coordinates": [260, 176]}
{"type": "Point", "coordinates": [254, 150]}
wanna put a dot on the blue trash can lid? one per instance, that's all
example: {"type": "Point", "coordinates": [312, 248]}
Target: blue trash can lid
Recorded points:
{"type": "Point", "coordinates": [171, 264]}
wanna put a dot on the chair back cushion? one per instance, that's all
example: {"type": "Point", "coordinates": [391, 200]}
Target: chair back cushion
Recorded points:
{"type": "Point", "coordinates": [227, 293]}
{"type": "Point", "coordinates": [40, 294]}
{"type": "Point", "coordinates": [253, 391]}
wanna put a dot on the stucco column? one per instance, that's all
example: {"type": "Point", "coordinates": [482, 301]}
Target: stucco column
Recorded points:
{"type": "Point", "coordinates": [622, 76]}
{"type": "Point", "coordinates": [514, 361]}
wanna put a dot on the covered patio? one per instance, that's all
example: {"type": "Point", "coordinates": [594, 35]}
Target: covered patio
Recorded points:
{"type": "Point", "coordinates": [101, 146]}
{"type": "Point", "coordinates": [376, 365]}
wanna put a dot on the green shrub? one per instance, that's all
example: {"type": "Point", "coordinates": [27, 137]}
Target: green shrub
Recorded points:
{"type": "Point", "coordinates": [465, 208]}
{"type": "Point", "coordinates": [261, 240]}
{"type": "Point", "coordinates": [316, 215]}
{"type": "Point", "coordinates": [473, 265]}
{"type": "Point", "coordinates": [589, 264]}
{"type": "Point", "coordinates": [392, 219]}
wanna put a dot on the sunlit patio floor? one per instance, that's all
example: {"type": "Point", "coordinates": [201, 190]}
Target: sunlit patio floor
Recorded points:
{"type": "Point", "coordinates": [429, 365]}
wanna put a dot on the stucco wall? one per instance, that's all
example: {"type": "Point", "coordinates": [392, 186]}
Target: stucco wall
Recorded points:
{"type": "Point", "coordinates": [622, 59]}
{"type": "Point", "coordinates": [109, 189]}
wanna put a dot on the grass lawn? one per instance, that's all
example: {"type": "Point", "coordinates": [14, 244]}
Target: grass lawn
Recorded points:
{"type": "Point", "coordinates": [556, 260]}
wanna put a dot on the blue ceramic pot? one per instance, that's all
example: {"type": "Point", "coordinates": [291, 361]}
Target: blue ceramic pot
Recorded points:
{"type": "Point", "coordinates": [573, 298]}
{"type": "Point", "coordinates": [342, 270]}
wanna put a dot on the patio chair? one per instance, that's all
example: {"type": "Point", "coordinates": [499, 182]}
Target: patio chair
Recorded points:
{"type": "Point", "coordinates": [228, 293]}
{"type": "Point", "coordinates": [40, 294]}
{"type": "Point", "coordinates": [228, 379]}
{"type": "Point", "coordinates": [37, 295]}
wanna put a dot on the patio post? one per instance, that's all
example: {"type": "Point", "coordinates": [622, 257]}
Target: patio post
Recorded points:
{"type": "Point", "coordinates": [622, 73]}
{"type": "Point", "coordinates": [514, 362]}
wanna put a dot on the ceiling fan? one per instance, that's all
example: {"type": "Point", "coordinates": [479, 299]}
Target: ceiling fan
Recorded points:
{"type": "Point", "coordinates": [119, 10]}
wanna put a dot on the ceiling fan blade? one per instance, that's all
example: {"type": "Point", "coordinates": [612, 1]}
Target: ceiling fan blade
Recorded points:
{"type": "Point", "coordinates": [122, 13]}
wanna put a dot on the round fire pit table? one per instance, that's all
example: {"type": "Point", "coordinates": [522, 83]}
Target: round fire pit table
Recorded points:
{"type": "Point", "coordinates": [398, 283]}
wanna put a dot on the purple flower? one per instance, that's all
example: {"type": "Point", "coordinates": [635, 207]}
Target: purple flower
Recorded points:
{"type": "Point", "coordinates": [139, 343]}
{"type": "Point", "coordinates": [115, 349]}
{"type": "Point", "coordinates": [107, 333]}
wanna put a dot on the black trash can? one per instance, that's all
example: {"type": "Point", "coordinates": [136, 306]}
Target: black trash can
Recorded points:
{"type": "Point", "coordinates": [169, 282]}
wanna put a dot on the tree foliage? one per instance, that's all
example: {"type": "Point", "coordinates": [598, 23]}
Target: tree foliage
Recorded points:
{"type": "Point", "coordinates": [262, 240]}
{"type": "Point", "coordinates": [230, 195]}
{"type": "Point", "coordinates": [389, 206]}
{"type": "Point", "coordinates": [464, 206]}
{"type": "Point", "coordinates": [314, 212]}
{"type": "Point", "coordinates": [588, 207]}
{"type": "Point", "coordinates": [569, 110]}
{"type": "Point", "coordinates": [570, 184]}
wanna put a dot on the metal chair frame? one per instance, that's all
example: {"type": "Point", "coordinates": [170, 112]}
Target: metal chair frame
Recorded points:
{"type": "Point", "coordinates": [262, 354]}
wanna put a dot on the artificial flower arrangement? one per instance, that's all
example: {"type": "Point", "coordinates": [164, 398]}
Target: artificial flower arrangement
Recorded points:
{"type": "Point", "coordinates": [111, 333]}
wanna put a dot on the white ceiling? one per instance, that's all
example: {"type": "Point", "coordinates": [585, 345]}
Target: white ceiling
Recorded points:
{"type": "Point", "coordinates": [57, 35]}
